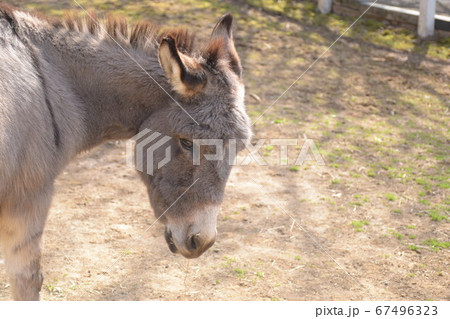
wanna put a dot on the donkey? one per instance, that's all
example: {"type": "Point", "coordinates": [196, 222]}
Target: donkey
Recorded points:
{"type": "Point", "coordinates": [71, 84]}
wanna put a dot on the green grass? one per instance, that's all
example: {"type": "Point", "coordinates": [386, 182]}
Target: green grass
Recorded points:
{"type": "Point", "coordinates": [356, 203]}
{"type": "Point", "coordinates": [240, 273]}
{"type": "Point", "coordinates": [437, 216]}
{"type": "Point", "coordinates": [426, 184]}
{"type": "Point", "coordinates": [294, 168]}
{"type": "Point", "coordinates": [390, 197]}
{"type": "Point", "coordinates": [359, 224]}
{"type": "Point", "coordinates": [364, 199]}
{"type": "Point", "coordinates": [436, 244]}
{"type": "Point", "coordinates": [424, 202]}
{"type": "Point", "coordinates": [444, 185]}
{"type": "Point", "coordinates": [372, 31]}
{"type": "Point", "coordinates": [229, 261]}
{"type": "Point", "coordinates": [397, 235]}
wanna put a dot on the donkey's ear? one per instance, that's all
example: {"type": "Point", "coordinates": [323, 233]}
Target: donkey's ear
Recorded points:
{"type": "Point", "coordinates": [185, 74]}
{"type": "Point", "coordinates": [223, 27]}
{"type": "Point", "coordinates": [223, 33]}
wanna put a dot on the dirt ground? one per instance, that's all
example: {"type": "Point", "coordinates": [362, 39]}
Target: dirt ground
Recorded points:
{"type": "Point", "coordinates": [372, 223]}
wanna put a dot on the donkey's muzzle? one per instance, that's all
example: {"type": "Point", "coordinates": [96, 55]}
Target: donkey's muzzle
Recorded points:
{"type": "Point", "coordinates": [193, 246]}
{"type": "Point", "coordinates": [197, 244]}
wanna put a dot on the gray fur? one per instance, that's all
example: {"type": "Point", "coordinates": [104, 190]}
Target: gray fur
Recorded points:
{"type": "Point", "coordinates": [67, 87]}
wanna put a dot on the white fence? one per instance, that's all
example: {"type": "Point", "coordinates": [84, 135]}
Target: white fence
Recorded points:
{"type": "Point", "coordinates": [427, 11]}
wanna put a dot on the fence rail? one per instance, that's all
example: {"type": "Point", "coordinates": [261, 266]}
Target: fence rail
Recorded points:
{"type": "Point", "coordinates": [427, 12]}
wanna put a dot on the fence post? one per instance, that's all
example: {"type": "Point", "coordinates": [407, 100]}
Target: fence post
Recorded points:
{"type": "Point", "coordinates": [426, 18]}
{"type": "Point", "coordinates": [324, 6]}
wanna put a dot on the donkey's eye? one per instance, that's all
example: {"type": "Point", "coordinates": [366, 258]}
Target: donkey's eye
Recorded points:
{"type": "Point", "coordinates": [186, 144]}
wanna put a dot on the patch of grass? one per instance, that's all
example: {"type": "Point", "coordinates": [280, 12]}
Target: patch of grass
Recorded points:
{"type": "Point", "coordinates": [356, 203]}
{"type": "Point", "coordinates": [413, 247]}
{"type": "Point", "coordinates": [335, 181]}
{"type": "Point", "coordinates": [390, 197]}
{"type": "Point", "coordinates": [239, 272]}
{"type": "Point", "coordinates": [372, 31]}
{"type": "Point", "coordinates": [436, 244]}
{"type": "Point", "coordinates": [436, 216]}
{"type": "Point", "coordinates": [364, 199]}
{"type": "Point", "coordinates": [412, 236]}
{"type": "Point", "coordinates": [397, 235]}
{"type": "Point", "coordinates": [397, 211]}
{"type": "Point", "coordinates": [294, 168]}
{"type": "Point", "coordinates": [424, 202]}
{"type": "Point", "coordinates": [359, 224]}
{"type": "Point", "coordinates": [229, 261]}
{"type": "Point", "coordinates": [298, 258]}
{"type": "Point", "coordinates": [444, 185]}
{"type": "Point", "coordinates": [371, 173]}
{"type": "Point", "coordinates": [50, 288]}
{"type": "Point", "coordinates": [411, 226]}
{"type": "Point", "coordinates": [421, 181]}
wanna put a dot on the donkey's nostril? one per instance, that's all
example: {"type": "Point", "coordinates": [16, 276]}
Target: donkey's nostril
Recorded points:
{"type": "Point", "coordinates": [169, 240]}
{"type": "Point", "coordinates": [193, 242]}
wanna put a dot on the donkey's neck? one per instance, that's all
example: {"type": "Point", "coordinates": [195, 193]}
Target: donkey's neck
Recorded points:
{"type": "Point", "coordinates": [119, 90]}
{"type": "Point", "coordinates": [115, 87]}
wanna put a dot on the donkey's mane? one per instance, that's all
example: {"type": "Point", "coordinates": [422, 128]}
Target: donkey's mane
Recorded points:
{"type": "Point", "coordinates": [142, 35]}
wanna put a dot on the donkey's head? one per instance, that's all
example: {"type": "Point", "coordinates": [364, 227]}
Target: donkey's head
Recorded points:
{"type": "Point", "coordinates": [187, 183]}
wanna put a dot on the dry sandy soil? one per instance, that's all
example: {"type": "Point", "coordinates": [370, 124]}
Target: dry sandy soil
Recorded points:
{"type": "Point", "coordinates": [365, 220]}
